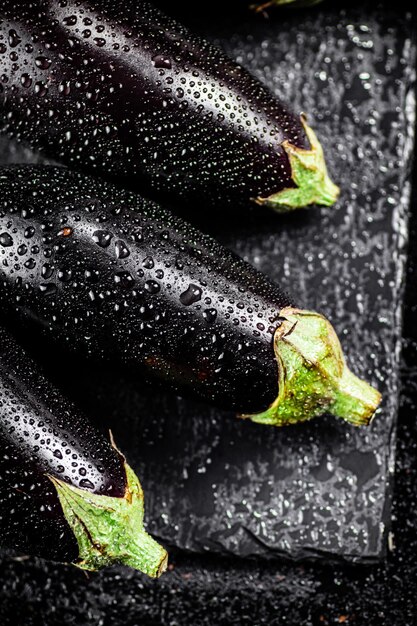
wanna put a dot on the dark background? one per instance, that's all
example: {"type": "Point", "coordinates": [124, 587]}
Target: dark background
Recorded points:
{"type": "Point", "coordinates": [213, 590]}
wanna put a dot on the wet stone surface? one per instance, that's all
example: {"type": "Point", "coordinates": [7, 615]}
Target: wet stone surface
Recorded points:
{"type": "Point", "coordinates": [214, 483]}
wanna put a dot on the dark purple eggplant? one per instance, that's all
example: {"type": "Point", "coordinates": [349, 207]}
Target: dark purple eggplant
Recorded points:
{"type": "Point", "coordinates": [116, 277]}
{"type": "Point", "coordinates": [118, 88]}
{"type": "Point", "coordinates": [66, 493]}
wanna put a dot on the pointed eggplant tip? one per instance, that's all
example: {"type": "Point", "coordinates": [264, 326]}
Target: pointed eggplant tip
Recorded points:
{"type": "Point", "coordinates": [313, 185]}
{"type": "Point", "coordinates": [313, 376]}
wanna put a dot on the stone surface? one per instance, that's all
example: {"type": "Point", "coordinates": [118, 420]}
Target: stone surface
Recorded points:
{"type": "Point", "coordinates": [214, 483]}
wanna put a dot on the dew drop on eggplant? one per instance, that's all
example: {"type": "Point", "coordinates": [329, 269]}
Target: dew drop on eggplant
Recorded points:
{"type": "Point", "coordinates": [30, 264]}
{"type": "Point", "coordinates": [122, 251]}
{"type": "Point", "coordinates": [191, 295]}
{"type": "Point", "coordinates": [210, 315]}
{"type": "Point", "coordinates": [152, 286]}
{"type": "Point", "coordinates": [70, 20]}
{"type": "Point", "coordinates": [14, 39]}
{"type": "Point", "coordinates": [162, 62]}
{"type": "Point", "coordinates": [102, 238]}
{"type": "Point", "coordinates": [85, 483]}
{"type": "Point", "coordinates": [29, 232]}
{"type": "Point", "coordinates": [148, 263]}
{"type": "Point", "coordinates": [42, 62]}
{"type": "Point", "coordinates": [124, 279]}
{"type": "Point", "coordinates": [64, 274]}
{"type": "Point", "coordinates": [26, 81]}
{"type": "Point", "coordinates": [6, 240]}
{"type": "Point", "coordinates": [47, 289]}
{"type": "Point", "coordinates": [47, 270]}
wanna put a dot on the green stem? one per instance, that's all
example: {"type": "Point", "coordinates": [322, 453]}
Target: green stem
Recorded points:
{"type": "Point", "coordinates": [293, 3]}
{"type": "Point", "coordinates": [110, 530]}
{"type": "Point", "coordinates": [313, 377]}
{"type": "Point", "coordinates": [309, 174]}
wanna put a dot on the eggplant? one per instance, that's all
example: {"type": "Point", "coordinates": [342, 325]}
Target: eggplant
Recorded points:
{"type": "Point", "coordinates": [66, 493]}
{"type": "Point", "coordinates": [121, 90]}
{"type": "Point", "coordinates": [115, 277]}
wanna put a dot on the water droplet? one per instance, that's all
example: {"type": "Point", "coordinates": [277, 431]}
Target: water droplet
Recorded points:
{"type": "Point", "coordinates": [191, 295]}
{"type": "Point", "coordinates": [26, 81]}
{"type": "Point", "coordinates": [40, 89]}
{"type": "Point", "coordinates": [6, 240]}
{"type": "Point", "coordinates": [99, 41]}
{"type": "Point", "coordinates": [102, 238]}
{"type": "Point", "coordinates": [64, 274]}
{"type": "Point", "coordinates": [58, 454]}
{"type": "Point", "coordinates": [161, 61]}
{"type": "Point", "coordinates": [148, 263]}
{"type": "Point", "coordinates": [210, 315]}
{"type": "Point", "coordinates": [30, 264]}
{"type": "Point", "coordinates": [70, 20]}
{"type": "Point", "coordinates": [48, 289]}
{"type": "Point", "coordinates": [124, 279]}
{"type": "Point", "coordinates": [152, 286]}
{"type": "Point", "coordinates": [91, 275]}
{"type": "Point", "coordinates": [86, 484]}
{"type": "Point", "coordinates": [14, 39]}
{"type": "Point", "coordinates": [122, 251]}
{"type": "Point", "coordinates": [43, 62]}
{"type": "Point", "coordinates": [29, 232]}
{"type": "Point", "coordinates": [47, 270]}
{"type": "Point", "coordinates": [138, 235]}
{"type": "Point", "coordinates": [22, 249]}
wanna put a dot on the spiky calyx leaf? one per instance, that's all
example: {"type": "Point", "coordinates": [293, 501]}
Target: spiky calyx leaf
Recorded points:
{"type": "Point", "coordinates": [309, 174]}
{"type": "Point", "coordinates": [313, 376]}
{"type": "Point", "coordinates": [110, 530]}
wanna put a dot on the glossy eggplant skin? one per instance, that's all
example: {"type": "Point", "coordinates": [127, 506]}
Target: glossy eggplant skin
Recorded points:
{"type": "Point", "coordinates": [115, 277]}
{"type": "Point", "coordinates": [116, 88]}
{"type": "Point", "coordinates": [43, 435]}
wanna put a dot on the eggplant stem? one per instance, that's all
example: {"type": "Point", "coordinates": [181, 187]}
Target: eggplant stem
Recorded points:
{"type": "Point", "coordinates": [110, 530]}
{"type": "Point", "coordinates": [294, 3]}
{"type": "Point", "coordinates": [260, 8]}
{"type": "Point", "coordinates": [309, 174]}
{"type": "Point", "coordinates": [313, 377]}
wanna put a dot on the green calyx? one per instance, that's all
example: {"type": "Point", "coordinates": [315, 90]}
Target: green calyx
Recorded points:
{"type": "Point", "coordinates": [313, 376]}
{"type": "Point", "coordinates": [110, 530]}
{"type": "Point", "coordinates": [309, 173]}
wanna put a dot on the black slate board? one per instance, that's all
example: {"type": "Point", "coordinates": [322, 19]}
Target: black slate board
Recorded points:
{"type": "Point", "coordinates": [217, 484]}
